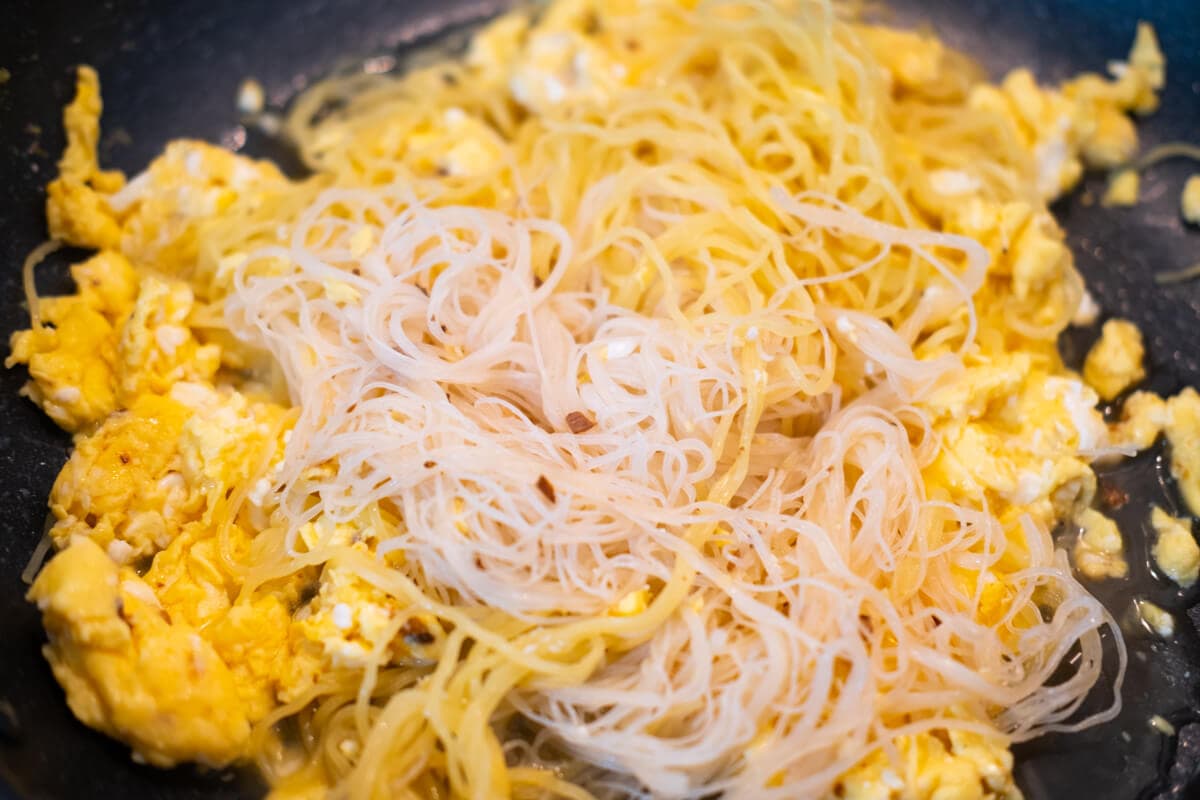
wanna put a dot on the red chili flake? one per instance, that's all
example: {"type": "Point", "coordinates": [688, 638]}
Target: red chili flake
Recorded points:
{"type": "Point", "coordinates": [579, 422]}
{"type": "Point", "coordinates": [544, 486]}
{"type": "Point", "coordinates": [125, 459]}
{"type": "Point", "coordinates": [1112, 496]}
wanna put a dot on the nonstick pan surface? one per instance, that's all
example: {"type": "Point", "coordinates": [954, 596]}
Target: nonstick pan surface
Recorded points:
{"type": "Point", "coordinates": [171, 69]}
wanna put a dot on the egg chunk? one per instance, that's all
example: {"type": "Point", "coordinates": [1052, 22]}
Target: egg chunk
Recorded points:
{"type": "Point", "coordinates": [252, 638]}
{"type": "Point", "coordinates": [77, 207]}
{"type": "Point", "coordinates": [456, 144]}
{"type": "Point", "coordinates": [912, 60]}
{"type": "Point", "coordinates": [1143, 415]}
{"type": "Point", "coordinates": [1175, 550]}
{"type": "Point", "coordinates": [1115, 362]}
{"type": "Point", "coordinates": [112, 341]}
{"type": "Point", "coordinates": [1099, 551]}
{"type": "Point", "coordinates": [353, 622]}
{"type": "Point", "coordinates": [940, 765]}
{"type": "Point", "coordinates": [123, 486]}
{"type": "Point", "coordinates": [72, 357]}
{"type": "Point", "coordinates": [1189, 202]}
{"type": "Point", "coordinates": [192, 182]}
{"type": "Point", "coordinates": [1123, 189]}
{"type": "Point", "coordinates": [149, 471]}
{"type": "Point", "coordinates": [1183, 432]}
{"type": "Point", "coordinates": [157, 349]}
{"type": "Point", "coordinates": [131, 671]}
{"type": "Point", "coordinates": [1015, 434]}
{"type": "Point", "coordinates": [1157, 619]}
{"type": "Point", "coordinates": [1084, 122]}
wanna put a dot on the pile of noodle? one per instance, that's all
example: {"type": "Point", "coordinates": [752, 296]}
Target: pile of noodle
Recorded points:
{"type": "Point", "coordinates": [638, 413]}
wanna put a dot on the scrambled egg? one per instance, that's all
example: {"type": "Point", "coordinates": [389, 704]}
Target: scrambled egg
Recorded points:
{"type": "Point", "coordinates": [568, 57]}
{"type": "Point", "coordinates": [1083, 123]}
{"type": "Point", "coordinates": [1143, 415]}
{"type": "Point", "coordinates": [1189, 202]}
{"type": "Point", "coordinates": [1115, 362]}
{"type": "Point", "coordinates": [77, 208]}
{"type": "Point", "coordinates": [1100, 551]}
{"type": "Point", "coordinates": [146, 485]}
{"type": "Point", "coordinates": [1123, 189]}
{"type": "Point", "coordinates": [192, 182]}
{"type": "Point", "coordinates": [129, 669]}
{"type": "Point", "coordinates": [122, 486]}
{"type": "Point", "coordinates": [1183, 432]}
{"type": "Point", "coordinates": [1156, 618]}
{"type": "Point", "coordinates": [72, 358]}
{"type": "Point", "coordinates": [349, 618]}
{"type": "Point", "coordinates": [156, 349]}
{"type": "Point", "coordinates": [1012, 433]}
{"type": "Point", "coordinates": [941, 765]}
{"type": "Point", "coordinates": [148, 634]}
{"type": "Point", "coordinates": [1175, 550]}
{"type": "Point", "coordinates": [350, 621]}
{"type": "Point", "coordinates": [457, 144]}
{"type": "Point", "coordinates": [253, 639]}
{"type": "Point", "coordinates": [112, 342]}
{"type": "Point", "coordinates": [912, 60]}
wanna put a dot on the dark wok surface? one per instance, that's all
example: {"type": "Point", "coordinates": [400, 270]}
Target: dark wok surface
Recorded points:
{"type": "Point", "coordinates": [172, 69]}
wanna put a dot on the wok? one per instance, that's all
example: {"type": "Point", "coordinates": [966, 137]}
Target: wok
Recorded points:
{"type": "Point", "coordinates": [172, 69]}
